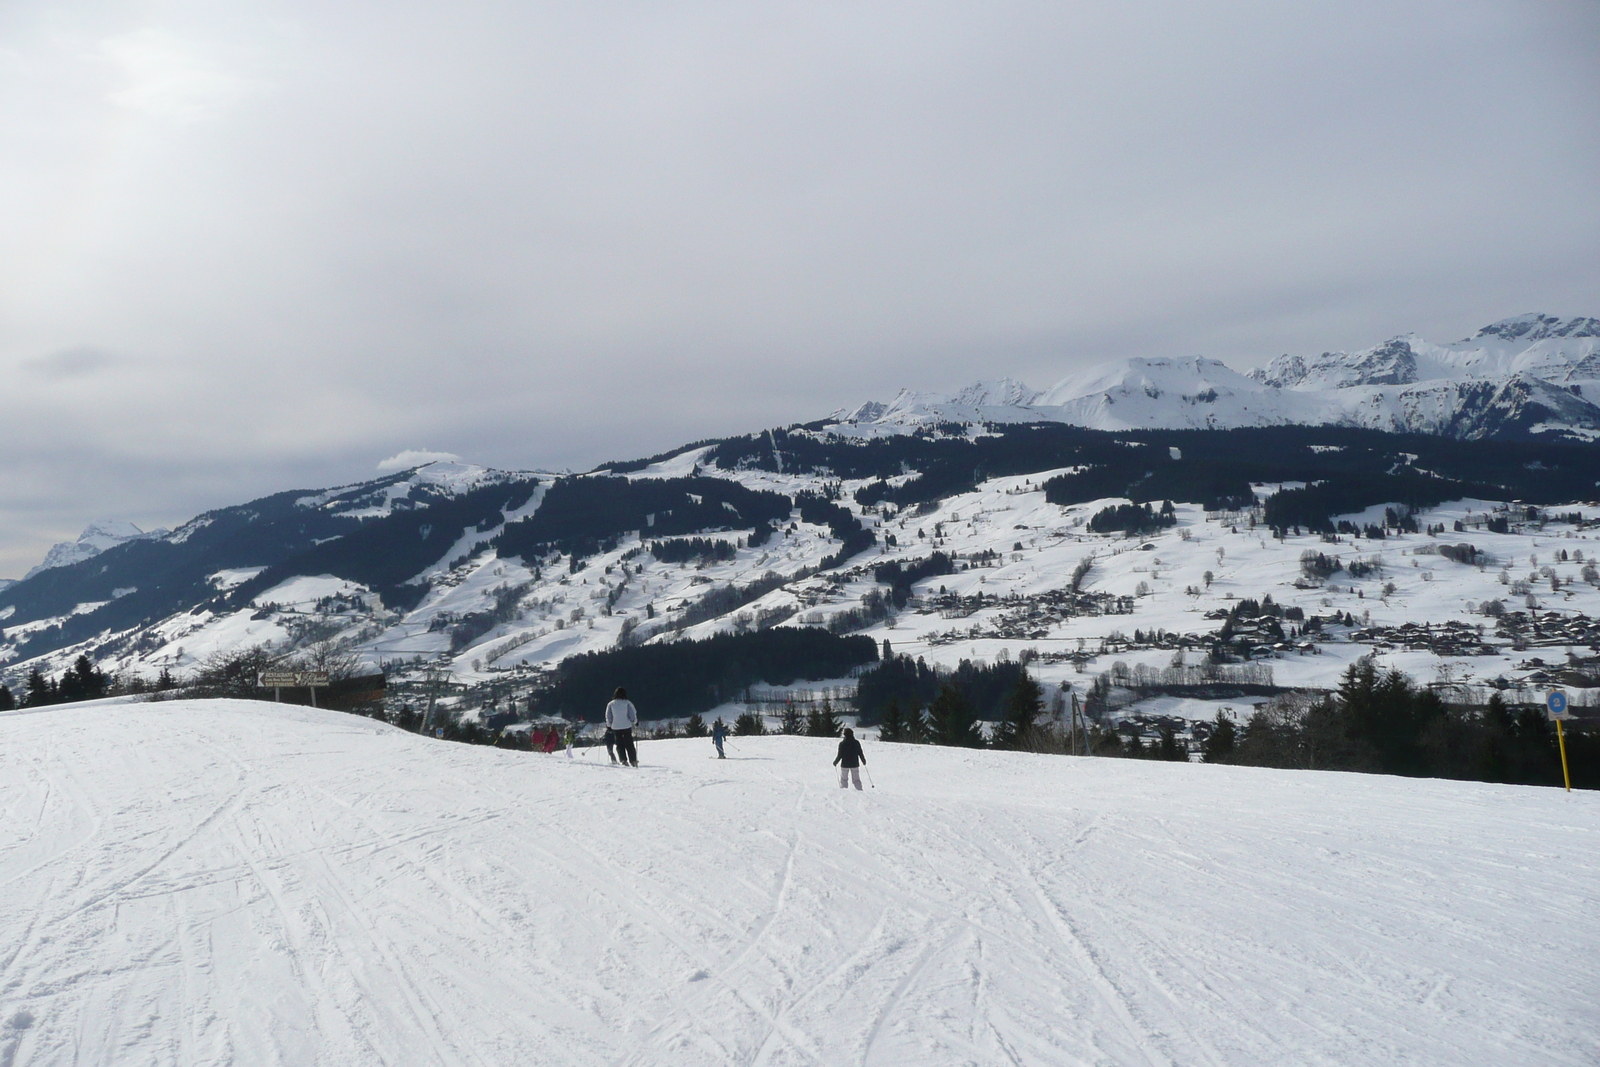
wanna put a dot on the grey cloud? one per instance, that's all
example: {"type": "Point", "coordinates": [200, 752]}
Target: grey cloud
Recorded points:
{"type": "Point", "coordinates": [76, 362]}
{"type": "Point", "coordinates": [550, 235]}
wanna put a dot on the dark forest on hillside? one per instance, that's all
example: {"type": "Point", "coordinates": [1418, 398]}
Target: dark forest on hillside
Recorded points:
{"type": "Point", "coordinates": [688, 677]}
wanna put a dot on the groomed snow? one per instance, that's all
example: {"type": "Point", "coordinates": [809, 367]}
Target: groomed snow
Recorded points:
{"type": "Point", "coordinates": [242, 883]}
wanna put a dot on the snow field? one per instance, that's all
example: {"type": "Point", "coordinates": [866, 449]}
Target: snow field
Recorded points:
{"type": "Point", "coordinates": [217, 882]}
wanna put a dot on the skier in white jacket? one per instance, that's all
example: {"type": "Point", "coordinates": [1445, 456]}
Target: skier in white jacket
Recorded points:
{"type": "Point", "coordinates": [622, 717]}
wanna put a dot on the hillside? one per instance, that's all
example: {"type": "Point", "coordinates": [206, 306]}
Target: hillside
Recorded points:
{"type": "Point", "coordinates": [238, 883]}
{"type": "Point", "coordinates": [953, 543]}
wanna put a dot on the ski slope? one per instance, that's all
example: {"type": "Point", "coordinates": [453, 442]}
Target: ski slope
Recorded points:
{"type": "Point", "coordinates": [243, 883]}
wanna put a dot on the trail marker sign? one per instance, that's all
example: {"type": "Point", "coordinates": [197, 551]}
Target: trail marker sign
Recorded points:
{"type": "Point", "coordinates": [1556, 702]}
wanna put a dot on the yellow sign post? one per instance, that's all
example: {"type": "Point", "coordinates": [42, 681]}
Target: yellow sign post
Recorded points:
{"type": "Point", "coordinates": [1557, 703]}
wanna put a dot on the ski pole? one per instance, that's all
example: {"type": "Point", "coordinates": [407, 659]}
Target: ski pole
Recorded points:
{"type": "Point", "coordinates": [869, 777]}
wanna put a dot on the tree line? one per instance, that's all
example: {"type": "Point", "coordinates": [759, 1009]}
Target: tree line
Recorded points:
{"type": "Point", "coordinates": [81, 681]}
{"type": "Point", "coordinates": [682, 678]}
{"type": "Point", "coordinates": [1383, 722]}
{"type": "Point", "coordinates": [1377, 722]}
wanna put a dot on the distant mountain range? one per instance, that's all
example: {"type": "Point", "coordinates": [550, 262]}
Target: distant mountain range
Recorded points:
{"type": "Point", "coordinates": [1528, 376]}
{"type": "Point", "coordinates": [836, 523]}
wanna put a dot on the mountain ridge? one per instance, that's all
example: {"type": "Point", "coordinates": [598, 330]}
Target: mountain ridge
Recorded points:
{"type": "Point", "coordinates": [1527, 375]}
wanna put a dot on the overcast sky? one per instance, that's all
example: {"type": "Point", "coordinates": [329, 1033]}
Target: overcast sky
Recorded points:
{"type": "Point", "coordinates": [247, 247]}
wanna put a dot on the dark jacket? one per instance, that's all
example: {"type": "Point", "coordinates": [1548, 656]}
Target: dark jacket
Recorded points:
{"type": "Point", "coordinates": [850, 754]}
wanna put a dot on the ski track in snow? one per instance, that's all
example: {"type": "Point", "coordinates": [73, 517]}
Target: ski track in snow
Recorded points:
{"type": "Point", "coordinates": [236, 883]}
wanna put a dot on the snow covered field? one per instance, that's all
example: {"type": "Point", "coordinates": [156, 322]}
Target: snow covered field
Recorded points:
{"type": "Point", "coordinates": [228, 882]}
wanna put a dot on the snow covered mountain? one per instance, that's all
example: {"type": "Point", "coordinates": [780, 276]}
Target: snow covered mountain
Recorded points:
{"type": "Point", "coordinates": [1528, 375]}
{"type": "Point", "coordinates": [950, 544]}
{"type": "Point", "coordinates": [95, 539]}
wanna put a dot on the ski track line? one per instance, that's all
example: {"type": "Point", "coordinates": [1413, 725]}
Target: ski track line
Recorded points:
{"type": "Point", "coordinates": [665, 929]}
{"type": "Point", "coordinates": [424, 1010]}
{"type": "Point", "coordinates": [601, 879]}
{"type": "Point", "coordinates": [1174, 1015]}
{"type": "Point", "coordinates": [1109, 993]}
{"type": "Point", "coordinates": [868, 944]}
{"type": "Point", "coordinates": [1112, 993]}
{"type": "Point", "coordinates": [645, 912]}
{"type": "Point", "coordinates": [290, 924]}
{"type": "Point", "coordinates": [897, 995]}
{"type": "Point", "coordinates": [777, 906]}
{"type": "Point", "coordinates": [425, 870]}
{"type": "Point", "coordinates": [50, 891]}
{"type": "Point", "coordinates": [76, 798]}
{"type": "Point", "coordinates": [295, 944]}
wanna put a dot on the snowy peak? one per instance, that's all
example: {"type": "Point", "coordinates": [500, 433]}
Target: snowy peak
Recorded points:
{"type": "Point", "coordinates": [406, 490]}
{"type": "Point", "coordinates": [95, 539]}
{"type": "Point", "coordinates": [1536, 327]}
{"type": "Point", "coordinates": [1002, 392]}
{"type": "Point", "coordinates": [1002, 400]}
{"type": "Point", "coordinates": [1190, 378]}
{"type": "Point", "coordinates": [1392, 363]}
{"type": "Point", "coordinates": [1532, 373]}
{"type": "Point", "coordinates": [1521, 403]}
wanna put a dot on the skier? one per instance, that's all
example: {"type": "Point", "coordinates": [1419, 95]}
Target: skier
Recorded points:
{"type": "Point", "coordinates": [622, 717]}
{"type": "Point", "coordinates": [718, 732]}
{"type": "Point", "coordinates": [571, 738]}
{"type": "Point", "coordinates": [849, 759]}
{"type": "Point", "coordinates": [611, 743]}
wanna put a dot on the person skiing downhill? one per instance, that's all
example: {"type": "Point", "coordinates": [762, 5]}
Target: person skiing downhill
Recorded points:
{"type": "Point", "coordinates": [849, 759]}
{"type": "Point", "coordinates": [621, 718]}
{"type": "Point", "coordinates": [718, 733]}
{"type": "Point", "coordinates": [611, 743]}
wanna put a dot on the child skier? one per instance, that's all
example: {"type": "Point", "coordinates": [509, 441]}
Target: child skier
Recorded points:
{"type": "Point", "coordinates": [849, 759]}
{"type": "Point", "coordinates": [718, 733]}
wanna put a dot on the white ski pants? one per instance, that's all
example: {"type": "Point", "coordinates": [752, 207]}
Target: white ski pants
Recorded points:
{"type": "Point", "coordinates": [847, 773]}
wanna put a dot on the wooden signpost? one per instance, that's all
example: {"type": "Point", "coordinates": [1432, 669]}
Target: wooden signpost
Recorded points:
{"type": "Point", "coordinates": [280, 680]}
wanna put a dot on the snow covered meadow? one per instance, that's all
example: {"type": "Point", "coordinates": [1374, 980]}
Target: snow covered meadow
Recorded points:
{"type": "Point", "coordinates": [216, 882]}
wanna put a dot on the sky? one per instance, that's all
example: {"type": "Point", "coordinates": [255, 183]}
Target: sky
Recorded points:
{"type": "Point", "coordinates": [247, 247]}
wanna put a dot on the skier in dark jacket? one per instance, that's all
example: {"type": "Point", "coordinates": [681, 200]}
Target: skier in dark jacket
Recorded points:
{"type": "Point", "coordinates": [719, 733]}
{"type": "Point", "coordinates": [849, 759]}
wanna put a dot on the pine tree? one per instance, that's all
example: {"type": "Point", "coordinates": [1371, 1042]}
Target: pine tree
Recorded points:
{"type": "Point", "coordinates": [1170, 750]}
{"type": "Point", "coordinates": [7, 701]}
{"type": "Point", "coordinates": [821, 721]}
{"type": "Point", "coordinates": [696, 727]}
{"type": "Point", "coordinates": [82, 682]}
{"type": "Point", "coordinates": [1218, 748]}
{"type": "Point", "coordinates": [916, 732]}
{"type": "Point", "coordinates": [951, 719]}
{"type": "Point", "coordinates": [892, 727]}
{"type": "Point", "coordinates": [1022, 708]}
{"type": "Point", "coordinates": [40, 691]}
{"type": "Point", "coordinates": [793, 722]}
{"type": "Point", "coordinates": [748, 724]}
